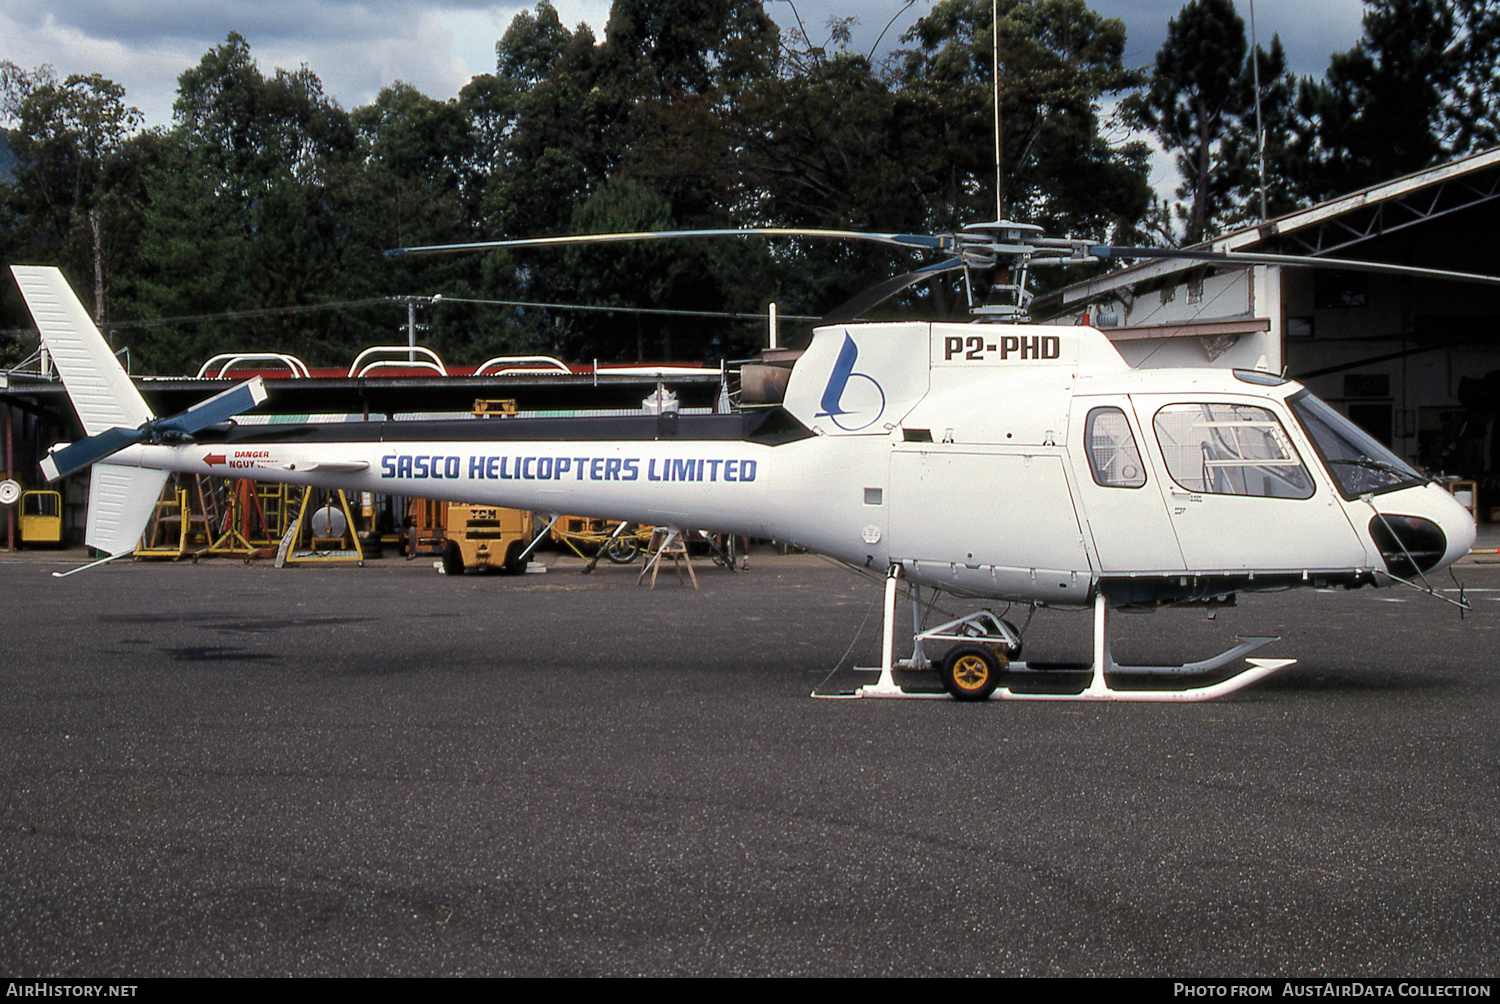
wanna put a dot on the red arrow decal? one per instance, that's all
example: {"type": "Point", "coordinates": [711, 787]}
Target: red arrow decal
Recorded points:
{"type": "Point", "coordinates": [213, 459]}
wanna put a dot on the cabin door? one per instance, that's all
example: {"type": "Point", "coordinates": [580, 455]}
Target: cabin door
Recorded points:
{"type": "Point", "coordinates": [1239, 493]}
{"type": "Point", "coordinates": [1122, 497]}
{"type": "Point", "coordinates": [988, 522]}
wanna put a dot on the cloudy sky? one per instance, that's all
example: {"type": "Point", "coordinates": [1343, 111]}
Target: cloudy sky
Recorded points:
{"type": "Point", "coordinates": [358, 46]}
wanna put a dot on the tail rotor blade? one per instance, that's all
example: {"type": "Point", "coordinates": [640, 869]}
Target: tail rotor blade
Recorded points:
{"type": "Point", "coordinates": [77, 456]}
{"type": "Point", "coordinates": [219, 408]}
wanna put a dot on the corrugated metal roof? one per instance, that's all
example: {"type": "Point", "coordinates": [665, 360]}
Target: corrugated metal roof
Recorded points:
{"type": "Point", "coordinates": [1291, 222]}
{"type": "Point", "coordinates": [1249, 238]}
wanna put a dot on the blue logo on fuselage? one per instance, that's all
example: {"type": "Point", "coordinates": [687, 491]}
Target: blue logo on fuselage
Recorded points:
{"type": "Point", "coordinates": [853, 400]}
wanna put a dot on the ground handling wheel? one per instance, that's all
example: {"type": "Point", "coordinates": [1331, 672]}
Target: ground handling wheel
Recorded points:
{"type": "Point", "coordinates": [970, 672]}
{"type": "Point", "coordinates": [622, 550]}
{"type": "Point", "coordinates": [453, 559]}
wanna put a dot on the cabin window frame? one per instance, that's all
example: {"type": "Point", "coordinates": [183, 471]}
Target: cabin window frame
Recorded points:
{"type": "Point", "coordinates": [1112, 473]}
{"type": "Point", "coordinates": [1232, 450]}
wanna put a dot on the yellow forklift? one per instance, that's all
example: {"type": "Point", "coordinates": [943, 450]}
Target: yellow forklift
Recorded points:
{"type": "Point", "coordinates": [479, 537]}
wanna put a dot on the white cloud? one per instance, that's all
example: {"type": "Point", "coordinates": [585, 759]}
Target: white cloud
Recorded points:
{"type": "Point", "coordinates": [354, 46]}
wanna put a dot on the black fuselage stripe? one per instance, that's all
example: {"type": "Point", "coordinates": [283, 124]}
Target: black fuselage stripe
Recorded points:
{"type": "Point", "coordinates": [770, 428]}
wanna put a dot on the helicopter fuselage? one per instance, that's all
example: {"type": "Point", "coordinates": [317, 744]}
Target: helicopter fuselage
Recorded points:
{"type": "Point", "coordinates": [1017, 463]}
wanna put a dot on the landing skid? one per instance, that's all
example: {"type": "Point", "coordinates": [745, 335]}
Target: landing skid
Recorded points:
{"type": "Point", "coordinates": [989, 628]}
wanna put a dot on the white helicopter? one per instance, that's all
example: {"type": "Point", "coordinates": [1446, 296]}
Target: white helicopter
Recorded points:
{"type": "Point", "coordinates": [1016, 462]}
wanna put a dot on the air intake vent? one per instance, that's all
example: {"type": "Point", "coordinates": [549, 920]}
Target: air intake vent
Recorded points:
{"type": "Point", "coordinates": [1409, 544]}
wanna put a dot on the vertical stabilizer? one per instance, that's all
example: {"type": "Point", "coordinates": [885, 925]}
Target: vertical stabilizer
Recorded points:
{"type": "Point", "coordinates": [860, 379]}
{"type": "Point", "coordinates": [120, 501]}
{"type": "Point", "coordinates": [99, 387]}
{"type": "Point", "coordinates": [120, 497]}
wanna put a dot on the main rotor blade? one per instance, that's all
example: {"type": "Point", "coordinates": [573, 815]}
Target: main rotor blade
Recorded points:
{"type": "Point", "coordinates": [1295, 261]}
{"type": "Point", "coordinates": [898, 240]}
{"type": "Point", "coordinates": [857, 305]}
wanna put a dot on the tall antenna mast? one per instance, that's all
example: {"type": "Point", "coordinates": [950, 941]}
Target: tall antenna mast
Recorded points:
{"type": "Point", "coordinates": [1260, 130]}
{"type": "Point", "coordinates": [995, 40]}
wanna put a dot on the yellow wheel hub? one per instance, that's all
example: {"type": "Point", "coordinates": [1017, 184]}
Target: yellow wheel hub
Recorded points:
{"type": "Point", "coordinates": [971, 672]}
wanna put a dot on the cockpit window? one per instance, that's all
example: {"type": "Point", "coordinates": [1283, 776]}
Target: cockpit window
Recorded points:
{"type": "Point", "coordinates": [1230, 449]}
{"type": "Point", "coordinates": [1113, 456]}
{"type": "Point", "coordinates": [1358, 464]}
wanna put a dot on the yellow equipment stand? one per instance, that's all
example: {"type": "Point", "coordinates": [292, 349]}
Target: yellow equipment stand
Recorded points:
{"type": "Point", "coordinates": [342, 548]}
{"type": "Point", "coordinates": [172, 526]}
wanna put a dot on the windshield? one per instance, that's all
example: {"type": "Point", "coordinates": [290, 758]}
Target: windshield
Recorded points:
{"type": "Point", "coordinates": [1358, 463]}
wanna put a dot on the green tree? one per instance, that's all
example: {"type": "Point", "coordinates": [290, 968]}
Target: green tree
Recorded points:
{"type": "Point", "coordinates": [188, 258]}
{"type": "Point", "coordinates": [1379, 113]}
{"type": "Point", "coordinates": [419, 148]}
{"type": "Point", "coordinates": [824, 144]}
{"type": "Point", "coordinates": [1059, 61]}
{"type": "Point", "coordinates": [415, 181]}
{"type": "Point", "coordinates": [673, 75]}
{"type": "Point", "coordinates": [910, 146]}
{"type": "Point", "coordinates": [67, 137]}
{"type": "Point", "coordinates": [1194, 102]}
{"type": "Point", "coordinates": [668, 49]}
{"type": "Point", "coordinates": [248, 127]}
{"type": "Point", "coordinates": [551, 151]}
{"type": "Point", "coordinates": [629, 275]}
{"type": "Point", "coordinates": [1473, 113]}
{"type": "Point", "coordinates": [532, 46]}
{"type": "Point", "coordinates": [247, 176]}
{"type": "Point", "coordinates": [492, 103]}
{"type": "Point", "coordinates": [1288, 142]}
{"type": "Point", "coordinates": [627, 133]}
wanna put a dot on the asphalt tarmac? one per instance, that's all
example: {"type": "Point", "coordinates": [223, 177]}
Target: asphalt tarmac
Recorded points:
{"type": "Point", "coordinates": [220, 769]}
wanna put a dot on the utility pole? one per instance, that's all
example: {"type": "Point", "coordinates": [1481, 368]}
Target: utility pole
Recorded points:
{"type": "Point", "coordinates": [411, 331]}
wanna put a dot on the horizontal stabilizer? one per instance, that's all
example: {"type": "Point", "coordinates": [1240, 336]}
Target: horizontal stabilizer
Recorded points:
{"type": "Point", "coordinates": [332, 466]}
